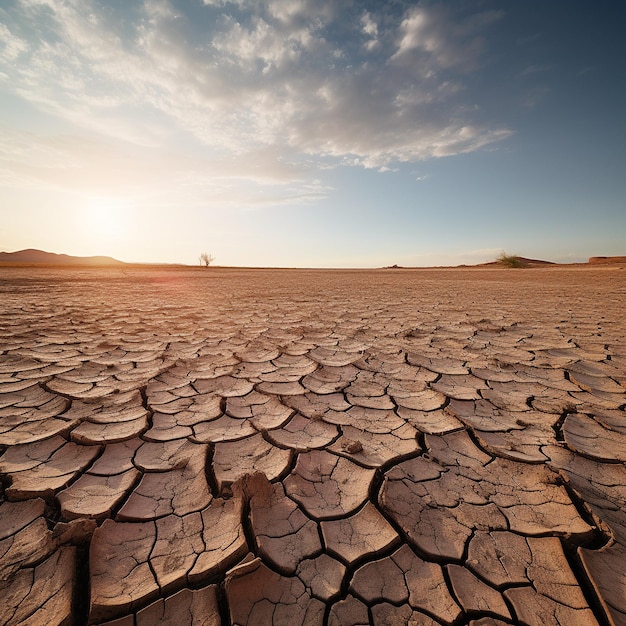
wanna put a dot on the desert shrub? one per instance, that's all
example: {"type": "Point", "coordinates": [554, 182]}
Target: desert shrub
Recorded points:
{"type": "Point", "coordinates": [510, 260]}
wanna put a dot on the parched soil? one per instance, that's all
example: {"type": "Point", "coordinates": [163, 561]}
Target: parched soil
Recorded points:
{"type": "Point", "coordinates": [222, 446]}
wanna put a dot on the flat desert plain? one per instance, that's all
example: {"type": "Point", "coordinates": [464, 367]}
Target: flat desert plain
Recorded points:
{"type": "Point", "coordinates": [391, 447]}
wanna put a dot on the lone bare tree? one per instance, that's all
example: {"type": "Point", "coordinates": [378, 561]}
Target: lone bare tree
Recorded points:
{"type": "Point", "coordinates": [206, 259]}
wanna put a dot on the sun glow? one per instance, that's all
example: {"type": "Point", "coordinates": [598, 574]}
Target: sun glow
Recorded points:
{"type": "Point", "coordinates": [108, 218]}
{"type": "Point", "coordinates": [105, 226]}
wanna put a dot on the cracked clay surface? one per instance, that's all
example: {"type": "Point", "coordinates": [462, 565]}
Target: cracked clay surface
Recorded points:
{"type": "Point", "coordinates": [322, 447]}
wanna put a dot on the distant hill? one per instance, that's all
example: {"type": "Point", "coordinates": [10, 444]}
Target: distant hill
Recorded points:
{"type": "Point", "coordinates": [534, 262]}
{"type": "Point", "coordinates": [50, 258]}
{"type": "Point", "coordinates": [606, 260]}
{"type": "Point", "coordinates": [523, 262]}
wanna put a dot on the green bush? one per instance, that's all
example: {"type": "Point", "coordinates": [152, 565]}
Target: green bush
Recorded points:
{"type": "Point", "coordinates": [510, 260]}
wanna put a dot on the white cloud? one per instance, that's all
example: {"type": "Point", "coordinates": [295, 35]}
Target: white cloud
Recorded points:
{"type": "Point", "coordinates": [433, 36]}
{"type": "Point", "coordinates": [48, 160]}
{"type": "Point", "coordinates": [261, 45]}
{"type": "Point", "coordinates": [144, 178]}
{"type": "Point", "coordinates": [271, 79]}
{"type": "Point", "coordinates": [368, 25]}
{"type": "Point", "coordinates": [299, 11]}
{"type": "Point", "coordinates": [10, 46]}
{"type": "Point", "coordinates": [417, 33]}
{"type": "Point", "coordinates": [370, 29]}
{"type": "Point", "coordinates": [223, 3]}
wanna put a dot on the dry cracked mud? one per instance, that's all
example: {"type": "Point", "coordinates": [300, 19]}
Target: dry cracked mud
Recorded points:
{"type": "Point", "coordinates": [251, 447]}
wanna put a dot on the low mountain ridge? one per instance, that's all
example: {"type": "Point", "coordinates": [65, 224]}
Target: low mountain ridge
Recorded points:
{"type": "Point", "coordinates": [31, 256]}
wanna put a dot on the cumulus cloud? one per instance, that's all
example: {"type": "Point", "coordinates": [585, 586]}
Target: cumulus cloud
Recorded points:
{"type": "Point", "coordinates": [370, 29]}
{"type": "Point", "coordinates": [434, 37]}
{"type": "Point", "coordinates": [241, 78]}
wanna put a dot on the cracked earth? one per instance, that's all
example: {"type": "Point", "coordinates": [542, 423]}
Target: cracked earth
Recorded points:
{"type": "Point", "coordinates": [217, 447]}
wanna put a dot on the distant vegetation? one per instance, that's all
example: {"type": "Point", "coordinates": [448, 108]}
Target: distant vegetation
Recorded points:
{"type": "Point", "coordinates": [510, 260]}
{"type": "Point", "coordinates": [206, 259]}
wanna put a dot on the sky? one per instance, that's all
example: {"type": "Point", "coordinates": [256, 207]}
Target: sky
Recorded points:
{"type": "Point", "coordinates": [313, 133]}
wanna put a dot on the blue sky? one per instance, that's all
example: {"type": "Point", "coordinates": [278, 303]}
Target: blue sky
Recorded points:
{"type": "Point", "coordinates": [313, 133]}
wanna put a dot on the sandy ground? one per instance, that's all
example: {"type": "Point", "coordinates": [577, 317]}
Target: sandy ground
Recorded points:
{"type": "Point", "coordinates": [190, 446]}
